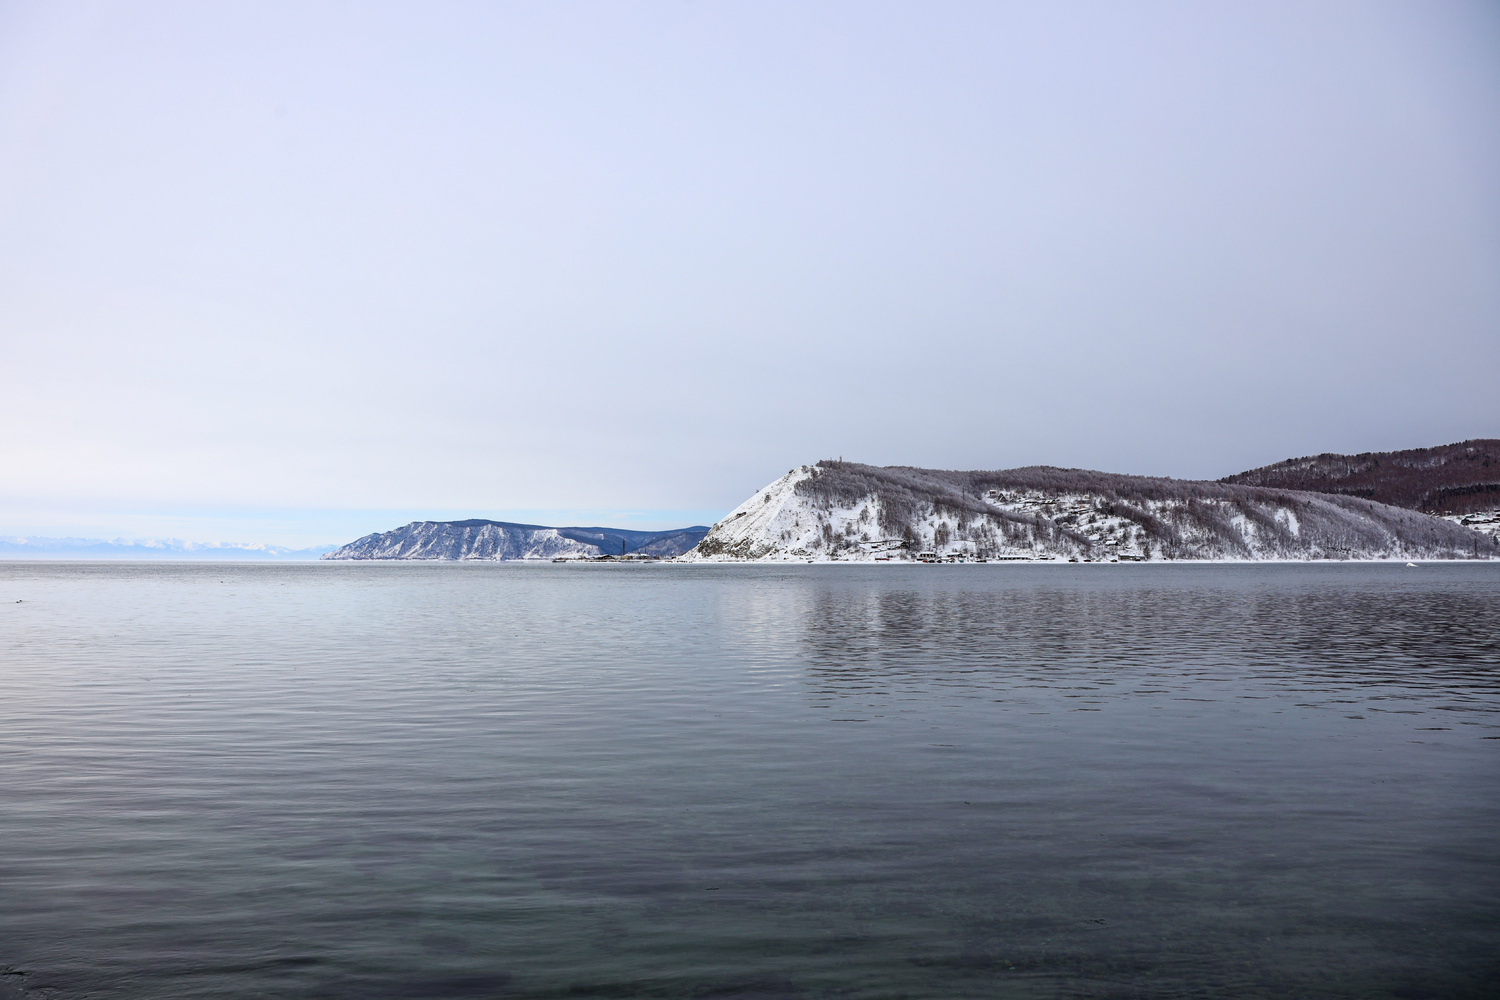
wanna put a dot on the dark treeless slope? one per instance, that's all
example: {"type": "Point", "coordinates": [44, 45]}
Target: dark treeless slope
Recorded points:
{"type": "Point", "coordinates": [1449, 479]}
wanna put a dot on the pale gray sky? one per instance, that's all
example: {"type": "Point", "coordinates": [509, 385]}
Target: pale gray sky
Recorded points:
{"type": "Point", "coordinates": [294, 272]}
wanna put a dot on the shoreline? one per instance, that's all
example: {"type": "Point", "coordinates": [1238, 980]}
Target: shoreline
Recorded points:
{"type": "Point", "coordinates": [1399, 561]}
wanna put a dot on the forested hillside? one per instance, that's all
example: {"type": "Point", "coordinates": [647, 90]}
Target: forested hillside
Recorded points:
{"type": "Point", "coordinates": [1457, 478]}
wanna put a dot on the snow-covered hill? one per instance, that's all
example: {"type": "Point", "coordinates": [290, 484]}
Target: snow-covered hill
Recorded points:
{"type": "Point", "coordinates": [502, 540]}
{"type": "Point", "coordinates": [844, 511]}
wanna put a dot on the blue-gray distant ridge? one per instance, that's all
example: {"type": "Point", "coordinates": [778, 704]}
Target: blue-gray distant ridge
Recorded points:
{"type": "Point", "coordinates": [37, 547]}
{"type": "Point", "coordinates": [481, 540]}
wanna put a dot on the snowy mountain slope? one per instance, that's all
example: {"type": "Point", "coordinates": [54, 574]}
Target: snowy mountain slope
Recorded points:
{"type": "Point", "coordinates": [846, 511]}
{"type": "Point", "coordinates": [502, 540]}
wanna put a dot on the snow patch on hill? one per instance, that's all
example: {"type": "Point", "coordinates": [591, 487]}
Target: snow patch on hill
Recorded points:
{"type": "Point", "coordinates": [1486, 521]}
{"type": "Point", "coordinates": [775, 521]}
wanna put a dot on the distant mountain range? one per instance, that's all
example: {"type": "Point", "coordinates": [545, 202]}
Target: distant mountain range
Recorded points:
{"type": "Point", "coordinates": [1424, 503]}
{"type": "Point", "coordinates": [170, 548]}
{"type": "Point", "coordinates": [502, 540]}
{"type": "Point", "coordinates": [838, 511]}
{"type": "Point", "coordinates": [1460, 478]}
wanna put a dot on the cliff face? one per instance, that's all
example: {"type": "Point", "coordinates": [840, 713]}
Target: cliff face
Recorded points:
{"type": "Point", "coordinates": [1458, 478]}
{"type": "Point", "coordinates": [502, 540]}
{"type": "Point", "coordinates": [846, 511]}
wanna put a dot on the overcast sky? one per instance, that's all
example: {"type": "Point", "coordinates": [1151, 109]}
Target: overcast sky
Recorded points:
{"type": "Point", "coordinates": [293, 273]}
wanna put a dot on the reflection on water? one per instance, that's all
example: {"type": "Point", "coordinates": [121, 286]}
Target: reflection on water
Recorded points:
{"type": "Point", "coordinates": [746, 782]}
{"type": "Point", "coordinates": [1319, 632]}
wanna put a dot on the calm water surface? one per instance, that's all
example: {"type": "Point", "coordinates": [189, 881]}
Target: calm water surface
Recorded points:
{"type": "Point", "coordinates": [462, 781]}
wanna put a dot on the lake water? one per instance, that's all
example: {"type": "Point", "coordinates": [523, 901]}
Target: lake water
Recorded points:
{"type": "Point", "coordinates": [749, 783]}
